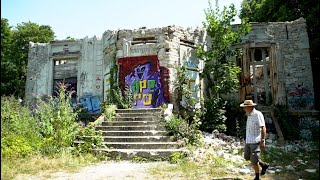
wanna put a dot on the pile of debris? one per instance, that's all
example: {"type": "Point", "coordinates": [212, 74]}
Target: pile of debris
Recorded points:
{"type": "Point", "coordinates": [230, 149]}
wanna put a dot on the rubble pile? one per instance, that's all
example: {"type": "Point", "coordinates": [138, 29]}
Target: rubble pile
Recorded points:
{"type": "Point", "coordinates": [230, 149]}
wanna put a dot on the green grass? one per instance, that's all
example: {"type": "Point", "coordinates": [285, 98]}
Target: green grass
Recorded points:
{"type": "Point", "coordinates": [186, 169]}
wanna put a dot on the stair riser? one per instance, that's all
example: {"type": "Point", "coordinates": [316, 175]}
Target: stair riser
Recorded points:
{"type": "Point", "coordinates": [130, 156]}
{"type": "Point", "coordinates": [125, 128]}
{"type": "Point", "coordinates": [138, 111]}
{"type": "Point", "coordinates": [146, 115]}
{"type": "Point", "coordinates": [130, 123]}
{"type": "Point", "coordinates": [143, 146]}
{"type": "Point", "coordinates": [162, 139]}
{"type": "Point", "coordinates": [128, 133]}
{"type": "Point", "coordinates": [151, 118]}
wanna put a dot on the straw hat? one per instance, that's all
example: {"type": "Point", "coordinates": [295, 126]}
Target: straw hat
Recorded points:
{"type": "Point", "coordinates": [247, 103]}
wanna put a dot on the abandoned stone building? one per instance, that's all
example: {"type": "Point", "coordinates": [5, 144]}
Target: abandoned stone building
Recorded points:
{"type": "Point", "coordinates": [276, 66]}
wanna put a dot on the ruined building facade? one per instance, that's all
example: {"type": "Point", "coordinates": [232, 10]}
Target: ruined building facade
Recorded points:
{"type": "Point", "coordinates": [276, 67]}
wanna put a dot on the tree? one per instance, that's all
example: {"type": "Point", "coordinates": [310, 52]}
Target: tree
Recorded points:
{"type": "Point", "coordinates": [14, 69]}
{"type": "Point", "coordinates": [220, 72]}
{"type": "Point", "coordinates": [289, 10]}
{"type": "Point", "coordinates": [7, 66]}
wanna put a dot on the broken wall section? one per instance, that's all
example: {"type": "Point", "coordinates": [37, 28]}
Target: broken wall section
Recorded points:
{"type": "Point", "coordinates": [293, 42]}
{"type": "Point", "coordinates": [286, 48]}
{"type": "Point", "coordinates": [37, 71]}
{"type": "Point", "coordinates": [172, 45]}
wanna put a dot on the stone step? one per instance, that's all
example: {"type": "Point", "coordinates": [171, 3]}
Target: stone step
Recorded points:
{"type": "Point", "coordinates": [140, 110]}
{"type": "Point", "coordinates": [151, 118]}
{"type": "Point", "coordinates": [139, 115]}
{"type": "Point", "coordinates": [131, 128]}
{"type": "Point", "coordinates": [142, 145]}
{"type": "Point", "coordinates": [137, 138]}
{"type": "Point", "coordinates": [128, 154]}
{"type": "Point", "coordinates": [129, 123]}
{"type": "Point", "coordinates": [134, 133]}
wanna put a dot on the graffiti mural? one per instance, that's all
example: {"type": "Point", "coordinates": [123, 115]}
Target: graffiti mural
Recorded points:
{"type": "Point", "coordinates": [300, 97]}
{"type": "Point", "coordinates": [142, 76]}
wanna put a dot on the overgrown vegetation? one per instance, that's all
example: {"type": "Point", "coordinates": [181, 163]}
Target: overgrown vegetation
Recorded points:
{"type": "Point", "coordinates": [90, 139]}
{"type": "Point", "coordinates": [123, 100]}
{"type": "Point", "coordinates": [109, 111]}
{"type": "Point", "coordinates": [46, 133]}
{"type": "Point", "coordinates": [235, 119]}
{"type": "Point", "coordinates": [57, 121]}
{"type": "Point", "coordinates": [220, 71]}
{"type": "Point", "coordinates": [185, 125]}
{"type": "Point", "coordinates": [20, 136]}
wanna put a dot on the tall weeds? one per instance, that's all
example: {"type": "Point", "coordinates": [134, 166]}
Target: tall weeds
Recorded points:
{"type": "Point", "coordinates": [20, 135]}
{"type": "Point", "coordinates": [57, 121]}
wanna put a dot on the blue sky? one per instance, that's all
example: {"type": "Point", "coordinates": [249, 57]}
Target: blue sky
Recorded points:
{"type": "Point", "coordinates": [81, 18]}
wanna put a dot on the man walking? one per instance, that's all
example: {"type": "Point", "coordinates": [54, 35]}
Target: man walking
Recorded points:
{"type": "Point", "coordinates": [255, 137]}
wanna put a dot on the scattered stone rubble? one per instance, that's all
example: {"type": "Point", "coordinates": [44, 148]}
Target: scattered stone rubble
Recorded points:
{"type": "Point", "coordinates": [231, 149]}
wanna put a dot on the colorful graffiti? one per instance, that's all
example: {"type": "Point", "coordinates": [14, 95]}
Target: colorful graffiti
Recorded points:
{"type": "Point", "coordinates": [142, 76]}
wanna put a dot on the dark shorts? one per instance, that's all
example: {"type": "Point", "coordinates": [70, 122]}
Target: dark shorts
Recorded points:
{"type": "Point", "coordinates": [252, 153]}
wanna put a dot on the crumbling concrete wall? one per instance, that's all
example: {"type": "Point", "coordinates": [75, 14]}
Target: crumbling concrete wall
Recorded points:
{"type": "Point", "coordinates": [37, 71]}
{"type": "Point", "coordinates": [291, 81]}
{"type": "Point", "coordinates": [173, 46]}
{"type": "Point", "coordinates": [293, 42]}
{"type": "Point", "coordinates": [96, 58]}
{"type": "Point", "coordinates": [286, 43]}
{"type": "Point", "coordinates": [91, 68]}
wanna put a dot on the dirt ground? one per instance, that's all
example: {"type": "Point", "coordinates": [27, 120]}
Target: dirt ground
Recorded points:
{"type": "Point", "coordinates": [110, 170]}
{"type": "Point", "coordinates": [125, 170]}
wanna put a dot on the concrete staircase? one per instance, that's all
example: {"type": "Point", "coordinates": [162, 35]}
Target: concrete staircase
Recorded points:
{"type": "Point", "coordinates": [137, 132]}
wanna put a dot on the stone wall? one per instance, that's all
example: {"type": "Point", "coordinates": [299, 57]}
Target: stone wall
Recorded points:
{"type": "Point", "coordinates": [292, 40]}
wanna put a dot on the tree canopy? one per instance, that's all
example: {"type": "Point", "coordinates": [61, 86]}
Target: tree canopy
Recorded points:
{"type": "Point", "coordinates": [14, 53]}
{"type": "Point", "coordinates": [220, 72]}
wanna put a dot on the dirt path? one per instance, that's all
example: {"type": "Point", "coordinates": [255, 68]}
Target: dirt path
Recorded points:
{"type": "Point", "coordinates": [128, 170]}
{"type": "Point", "coordinates": [109, 170]}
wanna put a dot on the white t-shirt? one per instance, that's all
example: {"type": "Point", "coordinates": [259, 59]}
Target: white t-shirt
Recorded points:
{"type": "Point", "coordinates": [255, 121]}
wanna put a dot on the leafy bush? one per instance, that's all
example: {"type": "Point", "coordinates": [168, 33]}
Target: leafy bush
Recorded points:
{"type": "Point", "coordinates": [214, 117]}
{"type": "Point", "coordinates": [180, 129]}
{"type": "Point", "coordinates": [91, 139]}
{"type": "Point", "coordinates": [186, 124]}
{"type": "Point", "coordinates": [177, 157]}
{"type": "Point", "coordinates": [16, 146]}
{"type": "Point", "coordinates": [236, 119]}
{"type": "Point", "coordinates": [57, 120]}
{"type": "Point", "coordinates": [176, 127]}
{"type": "Point", "coordinates": [109, 111]}
{"type": "Point", "coordinates": [122, 100]}
{"type": "Point", "coordinates": [20, 136]}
